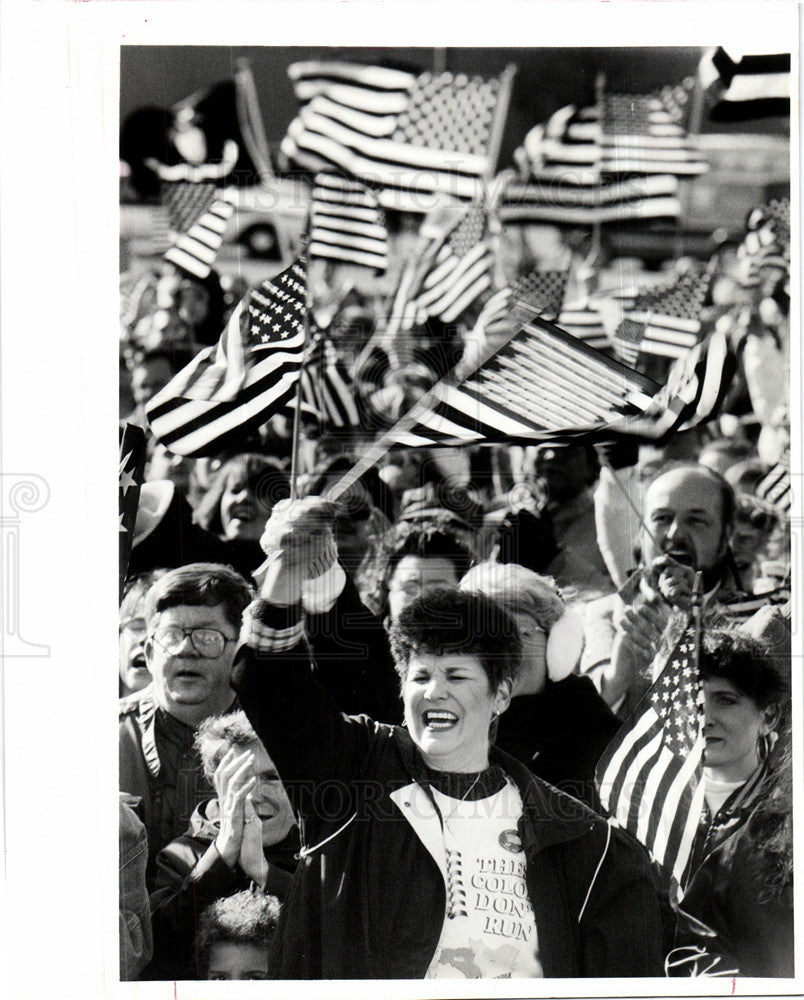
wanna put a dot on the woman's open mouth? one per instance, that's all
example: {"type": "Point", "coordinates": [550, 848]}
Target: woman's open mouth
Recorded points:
{"type": "Point", "coordinates": [439, 720]}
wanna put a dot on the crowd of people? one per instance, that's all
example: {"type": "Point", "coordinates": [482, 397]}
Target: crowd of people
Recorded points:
{"type": "Point", "coordinates": [359, 737]}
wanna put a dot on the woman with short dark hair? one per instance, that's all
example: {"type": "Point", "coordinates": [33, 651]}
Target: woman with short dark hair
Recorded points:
{"type": "Point", "coordinates": [428, 853]}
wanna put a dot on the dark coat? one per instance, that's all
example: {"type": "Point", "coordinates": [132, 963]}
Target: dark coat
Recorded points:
{"type": "Point", "coordinates": [560, 734]}
{"type": "Point", "coordinates": [368, 901]}
{"type": "Point", "coordinates": [729, 911]}
{"type": "Point", "coordinates": [190, 875]}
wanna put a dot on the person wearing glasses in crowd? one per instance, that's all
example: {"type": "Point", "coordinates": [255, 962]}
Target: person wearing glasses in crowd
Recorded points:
{"type": "Point", "coordinates": [192, 619]}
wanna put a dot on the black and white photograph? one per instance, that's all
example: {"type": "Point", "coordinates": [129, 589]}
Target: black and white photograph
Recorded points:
{"type": "Point", "coordinates": [458, 520]}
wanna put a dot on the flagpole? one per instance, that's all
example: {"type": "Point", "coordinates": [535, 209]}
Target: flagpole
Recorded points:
{"type": "Point", "coordinates": [251, 125]}
{"type": "Point", "coordinates": [697, 617]}
{"type": "Point", "coordinates": [500, 117]}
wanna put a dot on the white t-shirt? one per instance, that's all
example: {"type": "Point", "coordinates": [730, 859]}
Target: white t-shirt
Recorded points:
{"type": "Point", "coordinates": [716, 792]}
{"type": "Point", "coordinates": [489, 929]}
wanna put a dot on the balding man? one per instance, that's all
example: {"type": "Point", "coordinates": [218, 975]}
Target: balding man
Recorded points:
{"type": "Point", "coordinates": [687, 524]}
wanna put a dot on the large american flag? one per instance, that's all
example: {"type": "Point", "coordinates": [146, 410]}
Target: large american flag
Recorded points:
{"type": "Point", "coordinates": [347, 223]}
{"type": "Point", "coordinates": [541, 382]}
{"type": "Point", "coordinates": [663, 321]}
{"type": "Point", "coordinates": [250, 374]}
{"type": "Point", "coordinates": [742, 86]}
{"type": "Point", "coordinates": [195, 250]}
{"type": "Point", "coordinates": [411, 136]}
{"type": "Point", "coordinates": [649, 778]}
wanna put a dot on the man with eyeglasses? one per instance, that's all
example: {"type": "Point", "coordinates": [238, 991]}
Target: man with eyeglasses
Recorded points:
{"type": "Point", "coordinates": [192, 620]}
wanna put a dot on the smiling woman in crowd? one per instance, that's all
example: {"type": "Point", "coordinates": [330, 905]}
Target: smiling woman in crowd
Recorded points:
{"type": "Point", "coordinates": [239, 503]}
{"type": "Point", "coordinates": [427, 852]}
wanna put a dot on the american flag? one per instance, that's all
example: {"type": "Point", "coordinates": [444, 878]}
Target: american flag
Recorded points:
{"type": "Point", "coordinates": [130, 476]}
{"type": "Point", "coordinates": [625, 134]}
{"type": "Point", "coordinates": [649, 778]}
{"type": "Point", "coordinates": [541, 382]}
{"type": "Point", "coordinates": [247, 377]}
{"type": "Point", "coordinates": [327, 392]}
{"type": "Point", "coordinates": [775, 487]}
{"type": "Point", "coordinates": [742, 86]}
{"type": "Point", "coordinates": [195, 251]}
{"type": "Point", "coordinates": [694, 391]}
{"type": "Point", "coordinates": [411, 136]}
{"type": "Point", "coordinates": [347, 223]}
{"type": "Point", "coordinates": [663, 321]}
{"type": "Point", "coordinates": [460, 272]}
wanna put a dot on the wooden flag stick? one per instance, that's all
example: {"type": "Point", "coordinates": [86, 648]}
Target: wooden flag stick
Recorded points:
{"type": "Point", "coordinates": [294, 451]}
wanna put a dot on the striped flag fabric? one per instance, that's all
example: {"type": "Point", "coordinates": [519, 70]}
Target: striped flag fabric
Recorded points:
{"type": "Point", "coordinates": [650, 777]}
{"type": "Point", "coordinates": [582, 196]}
{"type": "Point", "coordinates": [744, 86]}
{"type": "Point", "coordinates": [624, 134]}
{"type": "Point", "coordinates": [461, 270]}
{"type": "Point", "coordinates": [541, 382]}
{"type": "Point", "coordinates": [327, 392]}
{"type": "Point", "coordinates": [186, 202]}
{"type": "Point", "coordinates": [663, 321]}
{"type": "Point", "coordinates": [195, 251]}
{"type": "Point", "coordinates": [582, 318]}
{"type": "Point", "coordinates": [775, 488]}
{"type": "Point", "coordinates": [347, 223]}
{"type": "Point", "coordinates": [617, 161]}
{"type": "Point", "coordinates": [412, 136]}
{"type": "Point", "coordinates": [250, 374]}
{"type": "Point", "coordinates": [694, 391]}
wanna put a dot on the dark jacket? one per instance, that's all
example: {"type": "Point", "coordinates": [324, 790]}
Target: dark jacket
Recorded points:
{"type": "Point", "coordinates": [560, 734]}
{"type": "Point", "coordinates": [161, 767]}
{"type": "Point", "coordinates": [190, 874]}
{"type": "Point", "coordinates": [352, 657]}
{"type": "Point", "coordinates": [369, 898]}
{"type": "Point", "coordinates": [730, 918]}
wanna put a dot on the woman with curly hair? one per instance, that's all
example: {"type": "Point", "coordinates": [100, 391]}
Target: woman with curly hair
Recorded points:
{"type": "Point", "coordinates": [735, 908]}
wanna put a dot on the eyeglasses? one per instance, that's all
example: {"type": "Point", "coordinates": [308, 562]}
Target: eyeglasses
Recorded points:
{"type": "Point", "coordinates": [208, 642]}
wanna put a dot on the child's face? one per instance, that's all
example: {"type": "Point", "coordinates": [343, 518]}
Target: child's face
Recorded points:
{"type": "Point", "coordinates": [235, 960]}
